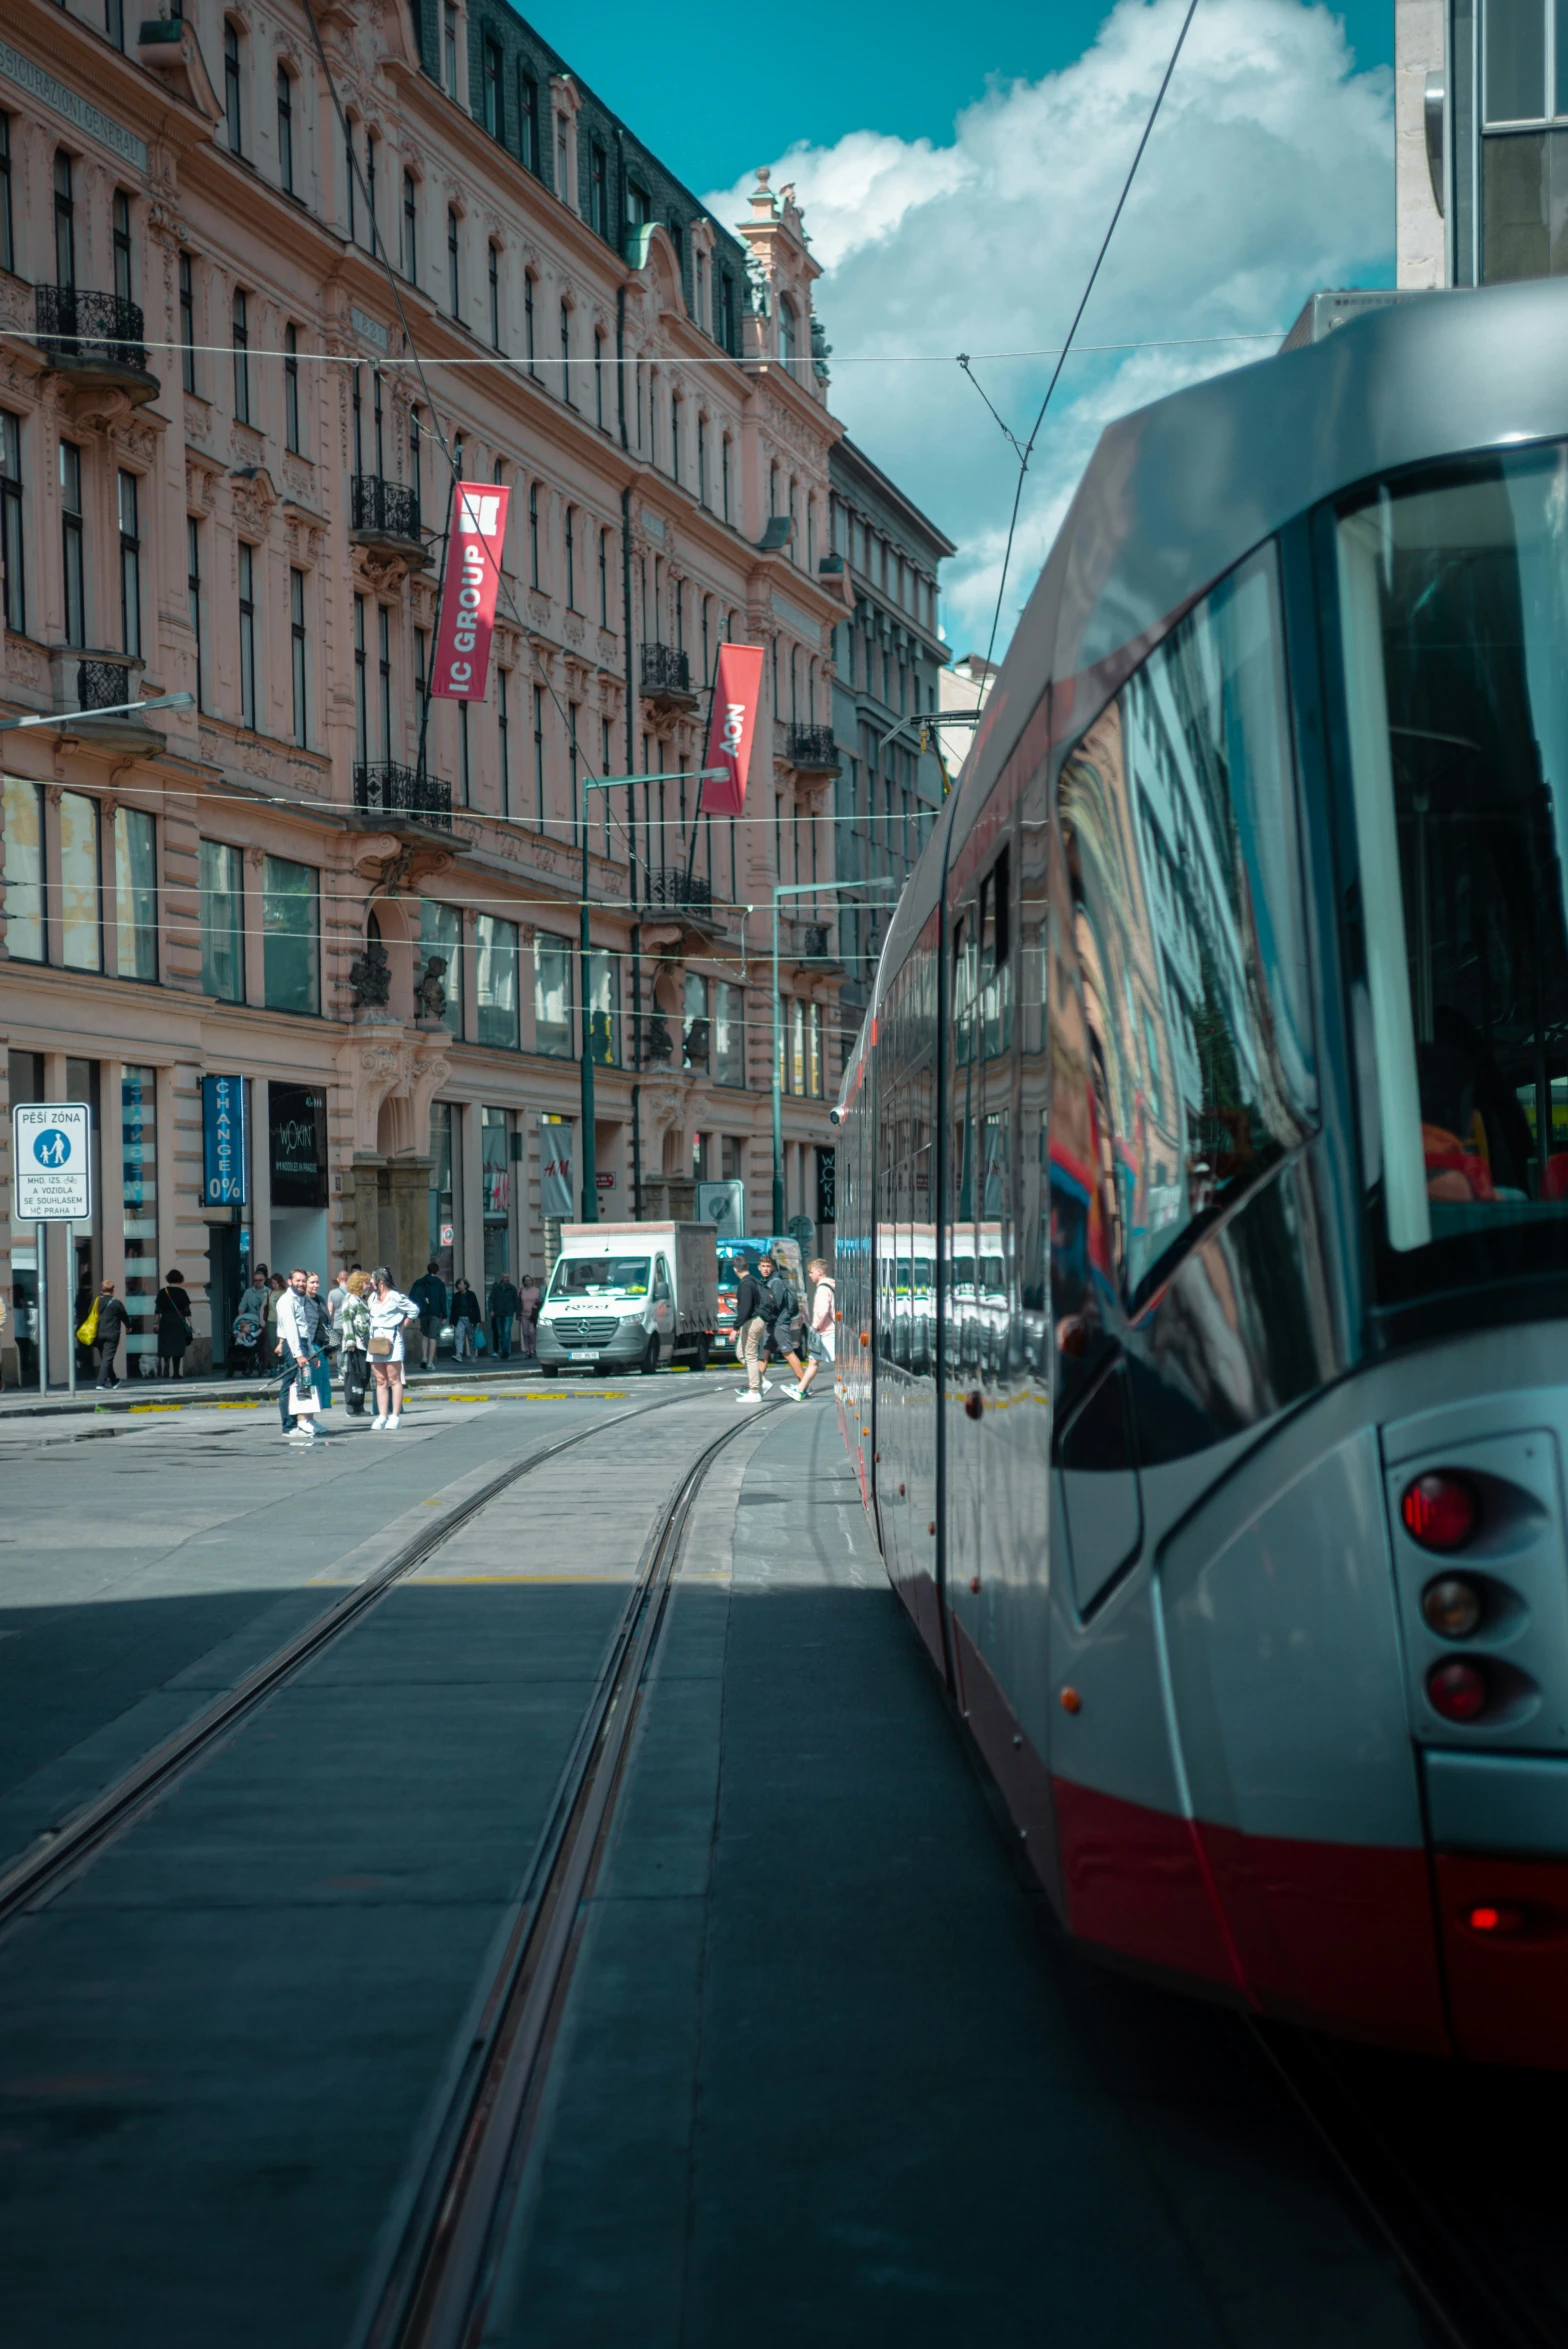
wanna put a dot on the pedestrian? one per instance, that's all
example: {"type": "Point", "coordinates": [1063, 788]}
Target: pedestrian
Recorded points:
{"type": "Point", "coordinates": [429, 1295]}
{"type": "Point", "coordinates": [336, 1295]}
{"type": "Point", "coordinates": [392, 1317]}
{"type": "Point", "coordinates": [528, 1315]}
{"type": "Point", "coordinates": [820, 1327]}
{"type": "Point", "coordinates": [295, 1323]}
{"type": "Point", "coordinates": [466, 1317]}
{"type": "Point", "coordinates": [172, 1310]}
{"type": "Point", "coordinates": [504, 1302]}
{"type": "Point", "coordinates": [322, 1337]}
{"type": "Point", "coordinates": [354, 1342]}
{"type": "Point", "coordinates": [112, 1323]}
{"type": "Point", "coordinates": [786, 1320]}
{"type": "Point", "coordinates": [751, 1324]}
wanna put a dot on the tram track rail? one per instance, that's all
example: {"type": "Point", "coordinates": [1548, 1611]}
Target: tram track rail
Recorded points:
{"type": "Point", "coordinates": [1464, 2289]}
{"type": "Point", "coordinates": [48, 1866]}
{"type": "Point", "coordinates": [447, 2239]}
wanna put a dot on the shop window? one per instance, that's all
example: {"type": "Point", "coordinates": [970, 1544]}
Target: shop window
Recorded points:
{"type": "Point", "coordinates": [495, 981]}
{"type": "Point", "coordinates": [552, 995]}
{"type": "Point", "coordinates": [135, 894]}
{"type": "Point", "coordinates": [290, 936]}
{"type": "Point", "coordinates": [24, 870]}
{"type": "Point", "coordinates": [441, 941]}
{"type": "Point", "coordinates": [222, 922]}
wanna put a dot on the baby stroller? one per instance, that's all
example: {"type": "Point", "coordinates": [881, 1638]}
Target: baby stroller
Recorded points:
{"type": "Point", "coordinates": [245, 1347]}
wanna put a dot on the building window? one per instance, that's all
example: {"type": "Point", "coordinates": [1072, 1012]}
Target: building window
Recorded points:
{"type": "Point", "coordinates": [441, 940]}
{"type": "Point", "coordinates": [15, 581]}
{"type": "Point", "coordinates": [503, 740]}
{"type": "Point", "coordinates": [604, 1008]}
{"type": "Point", "coordinates": [81, 928]}
{"type": "Point", "coordinates": [370, 184]}
{"type": "Point", "coordinates": [291, 435]}
{"type": "Point", "coordinates": [566, 353]}
{"type": "Point", "coordinates": [130, 564]}
{"type": "Point", "coordinates": [300, 656]}
{"type": "Point", "coordinates": [135, 894]}
{"type": "Point", "coordinates": [491, 88]}
{"type": "Point", "coordinates": [71, 543]}
{"type": "Point", "coordinates": [410, 228]}
{"type": "Point", "coordinates": [533, 533]}
{"type": "Point", "coordinates": [449, 48]}
{"type": "Point", "coordinates": [24, 870]}
{"type": "Point", "coordinates": [495, 981]}
{"type": "Point", "coordinates": [290, 936]}
{"type": "Point", "coordinates": [528, 119]}
{"type": "Point", "coordinates": [696, 1032]}
{"type": "Point", "coordinates": [64, 220]}
{"type": "Point", "coordinates": [361, 685]}
{"type": "Point", "coordinates": [539, 752]}
{"type": "Point", "coordinates": [598, 377]}
{"type": "Point", "coordinates": [247, 568]}
{"type": "Point", "coordinates": [727, 313]}
{"type": "Point", "coordinates": [702, 460]}
{"type": "Point", "coordinates": [571, 563]}
{"type": "Point", "coordinates": [728, 1058]}
{"type": "Point", "coordinates": [193, 600]}
{"type": "Point", "coordinates": [187, 323]}
{"type": "Point", "coordinates": [599, 190]}
{"type": "Point", "coordinates": [286, 130]}
{"type": "Point", "coordinates": [7, 233]}
{"type": "Point", "coordinates": [639, 209]}
{"type": "Point", "coordinates": [384, 676]}
{"type": "Point", "coordinates": [222, 922]}
{"type": "Point", "coordinates": [814, 1050]}
{"type": "Point", "coordinates": [241, 358]}
{"type": "Point", "coordinates": [604, 579]}
{"type": "Point", "coordinates": [350, 180]}
{"type": "Point", "coordinates": [453, 274]}
{"type": "Point", "coordinates": [495, 299]}
{"type": "Point", "coordinates": [552, 994]}
{"type": "Point", "coordinates": [675, 436]}
{"type": "Point", "coordinates": [120, 233]}
{"type": "Point", "coordinates": [528, 320]}
{"type": "Point", "coordinates": [1523, 173]}
{"type": "Point", "coordinates": [562, 170]}
{"type": "Point", "coordinates": [724, 477]}
{"type": "Point", "coordinates": [232, 98]}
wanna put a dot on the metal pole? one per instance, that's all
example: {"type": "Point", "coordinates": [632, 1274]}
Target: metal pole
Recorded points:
{"type": "Point", "coordinates": [40, 1243]}
{"type": "Point", "coordinates": [70, 1316]}
{"type": "Point", "coordinates": [590, 1172]}
{"type": "Point", "coordinates": [778, 1072]}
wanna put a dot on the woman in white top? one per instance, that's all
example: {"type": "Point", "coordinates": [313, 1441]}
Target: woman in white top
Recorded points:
{"type": "Point", "coordinates": [390, 1315]}
{"type": "Point", "coordinates": [824, 1307]}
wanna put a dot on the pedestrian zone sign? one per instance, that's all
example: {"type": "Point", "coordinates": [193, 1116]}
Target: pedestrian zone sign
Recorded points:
{"type": "Point", "coordinates": [51, 1161]}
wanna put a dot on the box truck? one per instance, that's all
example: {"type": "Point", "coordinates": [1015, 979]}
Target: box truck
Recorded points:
{"type": "Point", "coordinates": [629, 1296]}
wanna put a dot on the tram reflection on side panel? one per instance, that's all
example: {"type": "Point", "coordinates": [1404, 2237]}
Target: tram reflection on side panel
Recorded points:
{"type": "Point", "coordinates": [1203, 1203]}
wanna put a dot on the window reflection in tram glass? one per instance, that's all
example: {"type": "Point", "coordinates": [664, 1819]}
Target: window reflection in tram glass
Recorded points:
{"type": "Point", "coordinates": [1454, 598]}
{"type": "Point", "coordinates": [1179, 812]}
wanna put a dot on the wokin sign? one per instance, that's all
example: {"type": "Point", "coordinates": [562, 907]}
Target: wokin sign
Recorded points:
{"type": "Point", "coordinates": [461, 667]}
{"type": "Point", "coordinates": [735, 698]}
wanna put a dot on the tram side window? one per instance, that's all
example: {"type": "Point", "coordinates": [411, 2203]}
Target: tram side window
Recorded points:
{"type": "Point", "coordinates": [1178, 810]}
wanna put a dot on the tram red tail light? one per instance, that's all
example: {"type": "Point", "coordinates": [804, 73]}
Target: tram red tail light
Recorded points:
{"type": "Point", "coordinates": [1441, 1511]}
{"type": "Point", "coordinates": [1452, 1605]}
{"type": "Point", "coordinates": [1495, 1921]}
{"type": "Point", "coordinates": [1458, 1690]}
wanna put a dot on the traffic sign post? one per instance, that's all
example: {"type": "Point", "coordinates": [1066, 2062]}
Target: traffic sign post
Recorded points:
{"type": "Point", "coordinates": [52, 1182]}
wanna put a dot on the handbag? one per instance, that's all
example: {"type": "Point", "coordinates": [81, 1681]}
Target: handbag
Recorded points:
{"type": "Point", "coordinates": [87, 1335]}
{"type": "Point", "coordinates": [379, 1349]}
{"type": "Point", "coordinates": [305, 1399]}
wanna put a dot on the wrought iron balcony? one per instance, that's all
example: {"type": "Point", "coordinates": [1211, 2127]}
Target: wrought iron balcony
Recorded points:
{"type": "Point", "coordinates": [384, 516]}
{"type": "Point", "coordinates": [384, 789]}
{"type": "Point", "coordinates": [670, 885]}
{"type": "Point", "coordinates": [813, 750]}
{"type": "Point", "coordinates": [94, 339]}
{"type": "Point", "coordinates": [666, 675]}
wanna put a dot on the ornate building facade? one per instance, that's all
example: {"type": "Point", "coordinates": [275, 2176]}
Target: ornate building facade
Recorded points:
{"type": "Point", "coordinates": [262, 301]}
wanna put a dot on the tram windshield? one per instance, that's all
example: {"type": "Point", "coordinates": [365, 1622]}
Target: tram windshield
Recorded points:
{"type": "Point", "coordinates": [1454, 599]}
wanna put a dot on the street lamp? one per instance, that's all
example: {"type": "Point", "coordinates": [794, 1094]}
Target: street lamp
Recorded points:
{"type": "Point", "coordinates": [605, 783]}
{"type": "Point", "coordinates": [798, 889]}
{"type": "Point", "coordinates": [118, 709]}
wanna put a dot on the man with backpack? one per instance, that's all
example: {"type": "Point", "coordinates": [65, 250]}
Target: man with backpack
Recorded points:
{"type": "Point", "coordinates": [753, 1312]}
{"type": "Point", "coordinates": [784, 1317]}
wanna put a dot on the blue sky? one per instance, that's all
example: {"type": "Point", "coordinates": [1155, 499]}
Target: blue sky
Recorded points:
{"type": "Point", "coordinates": [955, 191]}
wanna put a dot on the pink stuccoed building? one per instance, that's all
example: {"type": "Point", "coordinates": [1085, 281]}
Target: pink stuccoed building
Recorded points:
{"type": "Point", "coordinates": [222, 474]}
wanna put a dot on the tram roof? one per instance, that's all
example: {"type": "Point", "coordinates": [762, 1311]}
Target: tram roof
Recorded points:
{"type": "Point", "coordinates": [1178, 492]}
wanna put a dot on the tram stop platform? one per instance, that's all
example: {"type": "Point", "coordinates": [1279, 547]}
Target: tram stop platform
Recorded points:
{"type": "Point", "coordinates": [824, 2070]}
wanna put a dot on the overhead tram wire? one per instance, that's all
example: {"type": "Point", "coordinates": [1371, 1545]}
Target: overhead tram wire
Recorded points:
{"type": "Point", "coordinates": [1105, 246]}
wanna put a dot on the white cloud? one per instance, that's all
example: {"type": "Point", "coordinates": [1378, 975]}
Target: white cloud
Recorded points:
{"type": "Point", "coordinates": [1270, 173]}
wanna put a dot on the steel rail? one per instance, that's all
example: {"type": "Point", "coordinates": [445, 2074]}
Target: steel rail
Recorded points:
{"type": "Point", "coordinates": [1469, 2300]}
{"type": "Point", "coordinates": [434, 2286]}
{"type": "Point", "coordinates": [35, 1878]}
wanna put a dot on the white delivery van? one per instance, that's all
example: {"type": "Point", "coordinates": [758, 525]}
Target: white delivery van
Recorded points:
{"type": "Point", "coordinates": [628, 1296]}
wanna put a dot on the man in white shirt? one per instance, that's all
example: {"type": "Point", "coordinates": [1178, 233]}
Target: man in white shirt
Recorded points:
{"type": "Point", "coordinates": [294, 1344]}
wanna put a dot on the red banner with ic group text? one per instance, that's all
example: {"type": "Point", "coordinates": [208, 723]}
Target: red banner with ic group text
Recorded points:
{"type": "Point", "coordinates": [460, 670]}
{"type": "Point", "coordinates": [736, 695]}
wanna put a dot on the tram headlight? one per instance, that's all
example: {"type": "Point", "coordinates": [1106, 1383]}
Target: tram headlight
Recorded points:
{"type": "Point", "coordinates": [1440, 1510]}
{"type": "Point", "coordinates": [1458, 1690]}
{"type": "Point", "coordinates": [1453, 1606]}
